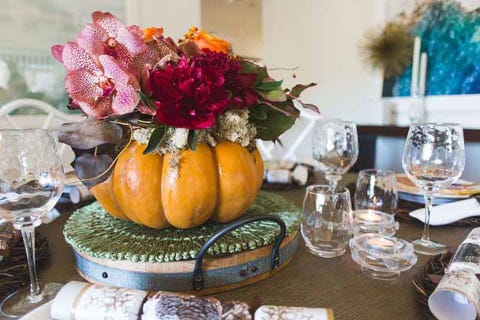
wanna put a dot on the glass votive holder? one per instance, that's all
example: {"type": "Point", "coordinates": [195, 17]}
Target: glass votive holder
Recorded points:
{"type": "Point", "coordinates": [372, 221]}
{"type": "Point", "coordinates": [381, 256]}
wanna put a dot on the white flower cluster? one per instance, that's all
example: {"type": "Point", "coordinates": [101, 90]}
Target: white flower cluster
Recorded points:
{"type": "Point", "coordinates": [232, 126]}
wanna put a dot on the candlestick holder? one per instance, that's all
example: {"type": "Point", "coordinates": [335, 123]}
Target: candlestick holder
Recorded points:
{"type": "Point", "coordinates": [372, 221]}
{"type": "Point", "coordinates": [381, 256]}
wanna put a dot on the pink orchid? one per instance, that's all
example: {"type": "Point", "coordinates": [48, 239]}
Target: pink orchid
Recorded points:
{"type": "Point", "coordinates": [100, 87]}
{"type": "Point", "coordinates": [107, 35]}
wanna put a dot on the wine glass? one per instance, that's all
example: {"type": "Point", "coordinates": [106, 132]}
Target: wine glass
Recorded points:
{"type": "Point", "coordinates": [335, 148]}
{"type": "Point", "coordinates": [433, 158]}
{"type": "Point", "coordinates": [31, 181]}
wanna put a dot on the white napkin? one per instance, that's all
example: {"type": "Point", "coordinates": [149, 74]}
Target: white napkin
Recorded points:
{"type": "Point", "coordinates": [450, 212]}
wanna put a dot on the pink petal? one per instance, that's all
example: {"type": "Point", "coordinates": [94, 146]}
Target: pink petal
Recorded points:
{"type": "Point", "coordinates": [75, 58]}
{"type": "Point", "coordinates": [145, 109]}
{"type": "Point", "coordinates": [136, 30]}
{"type": "Point", "coordinates": [132, 41]}
{"type": "Point", "coordinates": [92, 39]}
{"type": "Point", "coordinates": [125, 100]}
{"type": "Point", "coordinates": [100, 109]}
{"type": "Point", "coordinates": [113, 70]}
{"type": "Point", "coordinates": [82, 86]}
{"type": "Point", "coordinates": [57, 51]}
{"type": "Point", "coordinates": [107, 21]}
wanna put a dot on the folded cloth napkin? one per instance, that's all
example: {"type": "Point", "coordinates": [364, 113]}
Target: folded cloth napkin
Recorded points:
{"type": "Point", "coordinates": [448, 213]}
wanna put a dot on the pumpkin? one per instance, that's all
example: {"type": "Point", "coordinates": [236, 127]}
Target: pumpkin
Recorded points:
{"type": "Point", "coordinates": [217, 183]}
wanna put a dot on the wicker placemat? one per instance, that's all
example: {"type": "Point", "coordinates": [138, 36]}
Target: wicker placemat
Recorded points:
{"type": "Point", "coordinates": [14, 269]}
{"type": "Point", "coordinates": [405, 207]}
{"type": "Point", "coordinates": [427, 278]}
{"type": "Point", "coordinates": [92, 231]}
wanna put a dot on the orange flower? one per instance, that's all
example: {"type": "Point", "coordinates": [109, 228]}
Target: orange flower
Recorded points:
{"type": "Point", "coordinates": [149, 34]}
{"type": "Point", "coordinates": [205, 40]}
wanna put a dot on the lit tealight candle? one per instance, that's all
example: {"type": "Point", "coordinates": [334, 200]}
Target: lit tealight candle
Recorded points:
{"type": "Point", "coordinates": [369, 216]}
{"type": "Point", "coordinates": [380, 242]}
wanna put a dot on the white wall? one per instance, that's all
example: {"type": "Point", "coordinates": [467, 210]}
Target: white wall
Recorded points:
{"type": "Point", "coordinates": [323, 38]}
{"type": "Point", "coordinates": [240, 22]}
{"type": "Point", "coordinates": [175, 16]}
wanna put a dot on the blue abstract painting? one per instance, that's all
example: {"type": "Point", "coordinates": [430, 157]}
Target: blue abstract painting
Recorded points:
{"type": "Point", "coordinates": [451, 38]}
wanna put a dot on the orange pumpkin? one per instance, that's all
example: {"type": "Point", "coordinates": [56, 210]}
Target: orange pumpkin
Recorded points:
{"type": "Point", "coordinates": [218, 183]}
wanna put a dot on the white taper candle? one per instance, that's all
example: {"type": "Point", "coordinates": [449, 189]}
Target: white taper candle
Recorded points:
{"type": "Point", "coordinates": [415, 63]}
{"type": "Point", "coordinates": [423, 74]}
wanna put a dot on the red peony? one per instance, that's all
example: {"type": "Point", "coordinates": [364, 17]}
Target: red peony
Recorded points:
{"type": "Point", "coordinates": [242, 94]}
{"type": "Point", "coordinates": [188, 95]}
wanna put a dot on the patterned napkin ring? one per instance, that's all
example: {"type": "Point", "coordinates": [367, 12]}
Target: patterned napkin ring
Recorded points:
{"type": "Point", "coordinates": [82, 301]}
{"type": "Point", "coordinates": [286, 313]}
{"type": "Point", "coordinates": [457, 296]}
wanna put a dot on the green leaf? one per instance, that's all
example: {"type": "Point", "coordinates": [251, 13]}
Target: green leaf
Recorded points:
{"type": "Point", "coordinates": [147, 101]}
{"type": "Point", "coordinates": [258, 112]}
{"type": "Point", "coordinates": [192, 139]}
{"type": "Point", "coordinates": [298, 89]}
{"type": "Point", "coordinates": [157, 137]}
{"type": "Point", "coordinates": [310, 106]}
{"type": "Point", "coordinates": [286, 107]}
{"type": "Point", "coordinates": [272, 127]}
{"type": "Point", "coordinates": [251, 67]}
{"type": "Point", "coordinates": [271, 85]}
{"type": "Point", "coordinates": [273, 95]}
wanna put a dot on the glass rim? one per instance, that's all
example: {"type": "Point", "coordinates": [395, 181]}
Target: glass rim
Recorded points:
{"type": "Point", "coordinates": [338, 120]}
{"type": "Point", "coordinates": [46, 132]}
{"type": "Point", "coordinates": [326, 189]}
{"type": "Point", "coordinates": [439, 124]}
{"type": "Point", "coordinates": [379, 172]}
{"type": "Point", "coordinates": [29, 129]}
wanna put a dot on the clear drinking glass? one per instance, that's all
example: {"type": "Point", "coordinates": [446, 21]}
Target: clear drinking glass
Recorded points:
{"type": "Point", "coordinates": [376, 189]}
{"type": "Point", "coordinates": [433, 158]}
{"type": "Point", "coordinates": [335, 148]}
{"type": "Point", "coordinates": [31, 181]}
{"type": "Point", "coordinates": [326, 220]}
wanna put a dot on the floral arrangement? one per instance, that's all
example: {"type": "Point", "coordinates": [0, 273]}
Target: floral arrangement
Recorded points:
{"type": "Point", "coordinates": [139, 84]}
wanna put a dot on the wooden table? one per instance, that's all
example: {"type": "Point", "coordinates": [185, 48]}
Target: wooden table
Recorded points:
{"type": "Point", "coordinates": [307, 281]}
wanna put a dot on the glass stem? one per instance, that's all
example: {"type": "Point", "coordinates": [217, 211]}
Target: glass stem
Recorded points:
{"type": "Point", "coordinates": [428, 210]}
{"type": "Point", "coordinates": [28, 235]}
{"type": "Point", "coordinates": [333, 180]}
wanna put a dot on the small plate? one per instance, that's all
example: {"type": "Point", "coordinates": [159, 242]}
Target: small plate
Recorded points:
{"type": "Point", "coordinates": [418, 198]}
{"type": "Point", "coordinates": [460, 190]}
{"type": "Point", "coordinates": [41, 313]}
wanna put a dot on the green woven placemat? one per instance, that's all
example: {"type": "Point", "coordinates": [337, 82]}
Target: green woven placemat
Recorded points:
{"type": "Point", "coordinates": [92, 231]}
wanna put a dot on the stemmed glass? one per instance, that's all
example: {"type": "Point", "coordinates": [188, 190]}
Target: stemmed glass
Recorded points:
{"type": "Point", "coordinates": [433, 158]}
{"type": "Point", "coordinates": [31, 181]}
{"type": "Point", "coordinates": [335, 148]}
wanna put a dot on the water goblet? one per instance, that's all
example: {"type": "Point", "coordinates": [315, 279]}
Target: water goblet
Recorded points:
{"type": "Point", "coordinates": [335, 148]}
{"type": "Point", "coordinates": [326, 220]}
{"type": "Point", "coordinates": [31, 181]}
{"type": "Point", "coordinates": [433, 158]}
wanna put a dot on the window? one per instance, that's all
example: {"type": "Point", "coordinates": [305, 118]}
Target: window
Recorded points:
{"type": "Point", "coordinates": [27, 31]}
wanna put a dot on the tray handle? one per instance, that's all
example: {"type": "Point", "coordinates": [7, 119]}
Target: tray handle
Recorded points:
{"type": "Point", "coordinates": [275, 255]}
